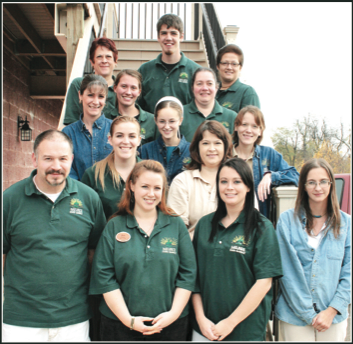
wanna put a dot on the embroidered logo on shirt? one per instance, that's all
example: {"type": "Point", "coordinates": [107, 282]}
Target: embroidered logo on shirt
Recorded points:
{"type": "Point", "coordinates": [143, 133]}
{"type": "Point", "coordinates": [169, 245]}
{"type": "Point", "coordinates": [76, 206]}
{"type": "Point", "coordinates": [237, 241]}
{"type": "Point", "coordinates": [183, 77]}
{"type": "Point", "coordinates": [226, 125]}
{"type": "Point", "coordinates": [187, 160]}
{"type": "Point", "coordinates": [227, 105]}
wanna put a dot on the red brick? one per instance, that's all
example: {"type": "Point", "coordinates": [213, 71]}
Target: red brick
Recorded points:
{"type": "Point", "coordinates": [27, 146]}
{"type": "Point", "coordinates": [9, 126]}
{"type": "Point", "coordinates": [13, 158]}
{"type": "Point", "coordinates": [6, 140]}
{"type": "Point", "coordinates": [5, 109]}
{"type": "Point", "coordinates": [28, 160]}
{"type": "Point", "coordinates": [6, 93]}
{"type": "Point", "coordinates": [13, 112]}
{"type": "Point", "coordinates": [6, 172]}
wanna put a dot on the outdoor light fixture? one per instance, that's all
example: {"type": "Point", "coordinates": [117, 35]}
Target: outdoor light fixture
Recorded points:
{"type": "Point", "coordinates": [26, 131]}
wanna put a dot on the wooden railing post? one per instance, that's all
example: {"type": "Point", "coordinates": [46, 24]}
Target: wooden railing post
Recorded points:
{"type": "Point", "coordinates": [75, 29]}
{"type": "Point", "coordinates": [230, 33]}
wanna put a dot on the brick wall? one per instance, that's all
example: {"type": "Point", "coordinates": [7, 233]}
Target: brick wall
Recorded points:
{"type": "Point", "coordinates": [42, 115]}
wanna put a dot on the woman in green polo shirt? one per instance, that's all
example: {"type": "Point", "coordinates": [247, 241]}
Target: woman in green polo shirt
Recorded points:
{"type": "Point", "coordinates": [128, 87]}
{"type": "Point", "coordinates": [238, 256]}
{"type": "Point", "coordinates": [107, 177]}
{"type": "Point", "coordinates": [204, 106]}
{"type": "Point", "coordinates": [144, 264]}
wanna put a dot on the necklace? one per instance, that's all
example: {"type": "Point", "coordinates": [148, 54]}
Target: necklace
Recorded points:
{"type": "Point", "coordinates": [318, 216]}
{"type": "Point", "coordinates": [149, 230]}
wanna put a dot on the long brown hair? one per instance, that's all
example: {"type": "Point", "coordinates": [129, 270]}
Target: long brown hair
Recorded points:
{"type": "Point", "coordinates": [259, 119]}
{"type": "Point", "coordinates": [302, 202]}
{"type": "Point", "coordinates": [109, 160]}
{"type": "Point", "coordinates": [215, 128]}
{"type": "Point", "coordinates": [127, 203]}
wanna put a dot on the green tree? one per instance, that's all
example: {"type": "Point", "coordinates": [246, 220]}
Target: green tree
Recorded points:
{"type": "Point", "coordinates": [312, 137]}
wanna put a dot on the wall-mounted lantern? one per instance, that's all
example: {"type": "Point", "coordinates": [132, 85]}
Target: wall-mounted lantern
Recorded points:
{"type": "Point", "coordinates": [26, 131]}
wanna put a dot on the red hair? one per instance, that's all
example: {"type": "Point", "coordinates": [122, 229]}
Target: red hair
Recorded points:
{"type": "Point", "coordinates": [103, 42]}
{"type": "Point", "coordinates": [126, 205]}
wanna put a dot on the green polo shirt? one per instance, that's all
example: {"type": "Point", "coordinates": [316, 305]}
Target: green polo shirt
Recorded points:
{"type": "Point", "coordinates": [147, 124]}
{"type": "Point", "coordinates": [229, 267]}
{"type": "Point", "coordinates": [147, 269]}
{"type": "Point", "coordinates": [158, 82]}
{"type": "Point", "coordinates": [111, 195]}
{"type": "Point", "coordinates": [238, 96]}
{"type": "Point", "coordinates": [193, 118]}
{"type": "Point", "coordinates": [46, 244]}
{"type": "Point", "coordinates": [74, 108]}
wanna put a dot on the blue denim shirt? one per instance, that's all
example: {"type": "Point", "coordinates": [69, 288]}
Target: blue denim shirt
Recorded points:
{"type": "Point", "coordinates": [266, 159]}
{"type": "Point", "coordinates": [88, 149]}
{"type": "Point", "coordinates": [319, 276]}
{"type": "Point", "coordinates": [157, 150]}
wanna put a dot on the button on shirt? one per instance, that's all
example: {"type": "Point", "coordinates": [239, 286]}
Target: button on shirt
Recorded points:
{"type": "Point", "coordinates": [147, 269]}
{"type": "Point", "coordinates": [192, 197]}
{"type": "Point", "coordinates": [320, 276]}
{"type": "Point", "coordinates": [88, 148]}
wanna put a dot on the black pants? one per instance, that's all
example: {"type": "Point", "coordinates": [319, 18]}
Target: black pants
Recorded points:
{"type": "Point", "coordinates": [115, 330]}
{"type": "Point", "coordinates": [94, 322]}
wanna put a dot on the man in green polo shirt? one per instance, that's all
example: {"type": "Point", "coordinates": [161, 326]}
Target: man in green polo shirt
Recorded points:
{"type": "Point", "coordinates": [232, 93]}
{"type": "Point", "coordinates": [103, 58]}
{"type": "Point", "coordinates": [170, 73]}
{"type": "Point", "coordinates": [52, 225]}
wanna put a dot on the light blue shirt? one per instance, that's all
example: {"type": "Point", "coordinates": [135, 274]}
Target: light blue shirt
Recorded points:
{"type": "Point", "coordinates": [311, 276]}
{"type": "Point", "coordinates": [88, 149]}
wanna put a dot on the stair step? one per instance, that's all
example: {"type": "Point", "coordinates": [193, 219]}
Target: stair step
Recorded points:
{"type": "Point", "coordinates": [135, 64]}
{"type": "Point", "coordinates": [136, 44]}
{"type": "Point", "coordinates": [149, 55]}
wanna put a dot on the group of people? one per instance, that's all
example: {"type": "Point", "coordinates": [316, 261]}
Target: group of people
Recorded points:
{"type": "Point", "coordinates": [153, 204]}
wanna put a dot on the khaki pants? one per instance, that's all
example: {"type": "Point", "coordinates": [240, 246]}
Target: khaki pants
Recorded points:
{"type": "Point", "coordinates": [289, 333]}
{"type": "Point", "coordinates": [70, 333]}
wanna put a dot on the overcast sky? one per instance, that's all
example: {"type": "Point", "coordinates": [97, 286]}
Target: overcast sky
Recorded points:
{"type": "Point", "coordinates": [298, 57]}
